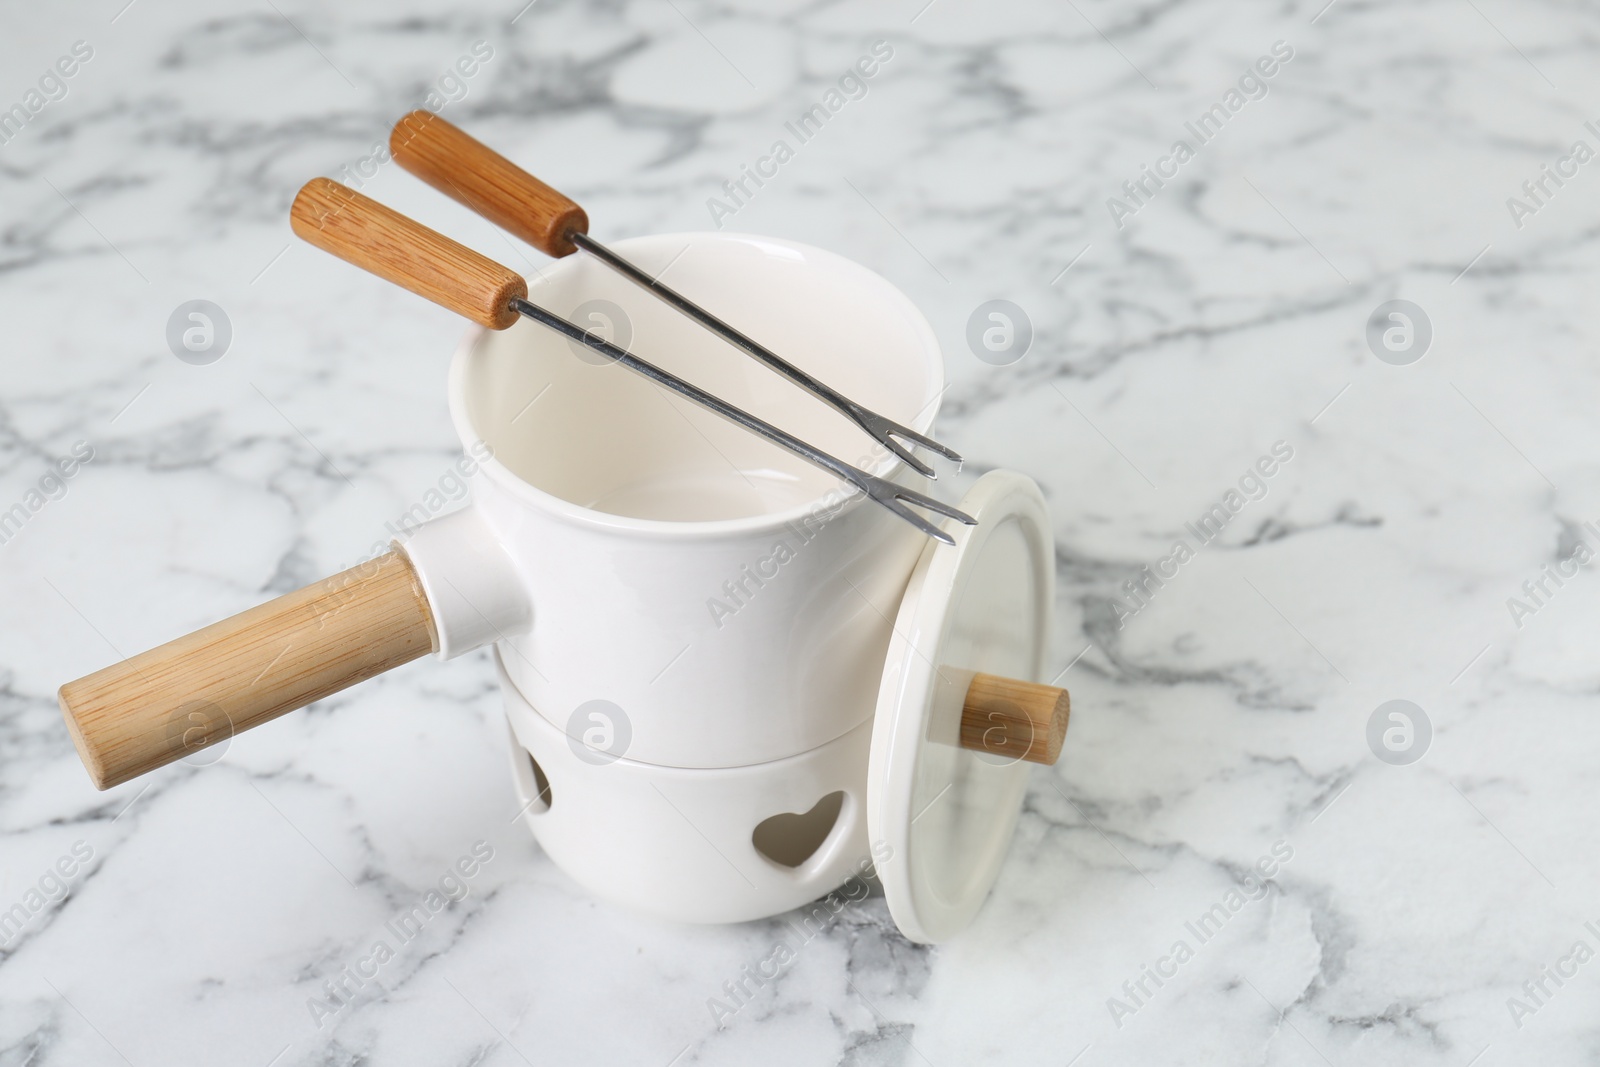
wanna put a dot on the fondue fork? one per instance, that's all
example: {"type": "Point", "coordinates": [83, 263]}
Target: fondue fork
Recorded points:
{"type": "Point", "coordinates": [494, 187]}
{"type": "Point", "coordinates": [379, 239]}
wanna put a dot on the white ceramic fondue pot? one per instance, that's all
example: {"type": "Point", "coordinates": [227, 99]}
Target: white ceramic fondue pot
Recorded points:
{"type": "Point", "coordinates": [731, 684]}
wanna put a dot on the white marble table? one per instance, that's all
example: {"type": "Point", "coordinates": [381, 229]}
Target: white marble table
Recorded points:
{"type": "Point", "coordinates": [1178, 337]}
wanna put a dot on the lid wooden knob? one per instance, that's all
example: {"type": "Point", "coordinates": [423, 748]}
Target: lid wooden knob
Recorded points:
{"type": "Point", "coordinates": [1014, 719]}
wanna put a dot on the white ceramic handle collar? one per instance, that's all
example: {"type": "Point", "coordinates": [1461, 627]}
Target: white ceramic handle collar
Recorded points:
{"type": "Point", "coordinates": [476, 593]}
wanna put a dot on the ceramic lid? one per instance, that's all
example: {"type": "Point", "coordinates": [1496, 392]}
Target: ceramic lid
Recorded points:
{"type": "Point", "coordinates": [946, 813]}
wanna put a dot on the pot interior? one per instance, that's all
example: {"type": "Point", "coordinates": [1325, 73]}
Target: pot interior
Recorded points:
{"type": "Point", "coordinates": [562, 419]}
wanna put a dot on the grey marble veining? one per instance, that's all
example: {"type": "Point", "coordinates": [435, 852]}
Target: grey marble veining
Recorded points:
{"type": "Point", "coordinates": [1429, 912]}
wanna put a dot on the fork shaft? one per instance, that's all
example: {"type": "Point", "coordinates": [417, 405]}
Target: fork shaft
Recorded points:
{"type": "Point", "coordinates": [700, 315]}
{"type": "Point", "coordinates": [709, 401]}
{"type": "Point", "coordinates": [857, 414]}
{"type": "Point", "coordinates": [870, 485]}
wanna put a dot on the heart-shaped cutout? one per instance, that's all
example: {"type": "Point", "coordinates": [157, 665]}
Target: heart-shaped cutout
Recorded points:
{"type": "Point", "coordinates": [789, 840]}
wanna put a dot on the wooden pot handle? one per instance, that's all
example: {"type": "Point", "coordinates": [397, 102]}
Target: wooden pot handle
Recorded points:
{"type": "Point", "coordinates": [375, 238]}
{"type": "Point", "coordinates": [491, 185]}
{"type": "Point", "coordinates": [1013, 719]}
{"type": "Point", "coordinates": [201, 689]}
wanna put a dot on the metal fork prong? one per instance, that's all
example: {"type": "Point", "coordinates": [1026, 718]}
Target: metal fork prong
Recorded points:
{"type": "Point", "coordinates": [885, 430]}
{"type": "Point", "coordinates": [894, 505]}
{"type": "Point", "coordinates": [908, 457]}
{"type": "Point", "coordinates": [925, 441]}
{"type": "Point", "coordinates": [939, 507]}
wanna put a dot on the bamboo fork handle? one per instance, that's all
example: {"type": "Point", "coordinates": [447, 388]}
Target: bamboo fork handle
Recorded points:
{"type": "Point", "coordinates": [487, 182]}
{"type": "Point", "coordinates": [378, 239]}
{"type": "Point", "coordinates": [201, 689]}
